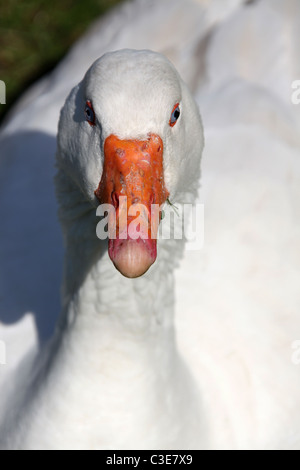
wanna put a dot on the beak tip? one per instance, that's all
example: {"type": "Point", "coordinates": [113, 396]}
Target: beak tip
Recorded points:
{"type": "Point", "coordinates": [131, 274]}
{"type": "Point", "coordinates": [132, 259]}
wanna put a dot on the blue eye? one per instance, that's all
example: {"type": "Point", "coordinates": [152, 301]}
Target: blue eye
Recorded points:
{"type": "Point", "coordinates": [90, 113]}
{"type": "Point", "coordinates": [175, 115]}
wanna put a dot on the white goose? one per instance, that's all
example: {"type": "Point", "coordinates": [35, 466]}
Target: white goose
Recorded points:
{"type": "Point", "coordinates": [236, 301]}
{"type": "Point", "coordinates": [115, 342]}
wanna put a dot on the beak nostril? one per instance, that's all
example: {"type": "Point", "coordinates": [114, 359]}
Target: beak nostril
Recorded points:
{"type": "Point", "coordinates": [115, 199]}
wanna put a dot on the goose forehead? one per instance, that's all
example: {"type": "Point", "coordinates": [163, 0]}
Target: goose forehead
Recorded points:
{"type": "Point", "coordinates": [127, 69]}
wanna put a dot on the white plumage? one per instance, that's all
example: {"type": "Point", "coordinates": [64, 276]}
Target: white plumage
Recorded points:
{"type": "Point", "coordinates": [237, 300]}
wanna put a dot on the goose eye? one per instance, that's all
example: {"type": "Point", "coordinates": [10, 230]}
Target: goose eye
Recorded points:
{"type": "Point", "coordinates": [90, 113]}
{"type": "Point", "coordinates": [175, 115]}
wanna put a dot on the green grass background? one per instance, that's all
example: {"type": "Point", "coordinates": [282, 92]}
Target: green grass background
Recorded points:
{"type": "Point", "coordinates": [36, 34]}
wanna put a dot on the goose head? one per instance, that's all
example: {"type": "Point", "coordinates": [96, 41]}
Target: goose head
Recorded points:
{"type": "Point", "coordinates": [130, 136]}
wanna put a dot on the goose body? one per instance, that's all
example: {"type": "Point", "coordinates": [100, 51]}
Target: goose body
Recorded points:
{"type": "Point", "coordinates": [226, 376]}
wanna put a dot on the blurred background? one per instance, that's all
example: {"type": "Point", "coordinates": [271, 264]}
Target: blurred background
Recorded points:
{"type": "Point", "coordinates": [36, 34]}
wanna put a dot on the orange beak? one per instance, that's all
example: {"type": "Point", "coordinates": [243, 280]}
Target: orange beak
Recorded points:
{"type": "Point", "coordinates": [133, 183]}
